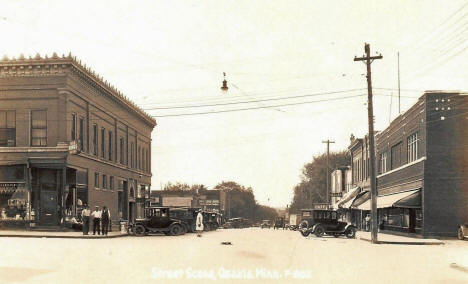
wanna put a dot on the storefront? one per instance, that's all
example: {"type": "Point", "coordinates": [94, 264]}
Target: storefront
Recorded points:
{"type": "Point", "coordinates": [15, 197]}
{"type": "Point", "coordinates": [397, 212]}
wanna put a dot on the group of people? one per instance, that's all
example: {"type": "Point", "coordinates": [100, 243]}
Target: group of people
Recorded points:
{"type": "Point", "coordinates": [100, 218]}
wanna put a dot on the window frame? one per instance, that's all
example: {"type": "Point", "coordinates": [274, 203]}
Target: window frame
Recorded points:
{"type": "Point", "coordinates": [9, 129]}
{"type": "Point", "coordinates": [32, 127]}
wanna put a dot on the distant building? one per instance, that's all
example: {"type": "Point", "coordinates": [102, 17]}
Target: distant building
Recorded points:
{"type": "Point", "coordinates": [68, 139]}
{"type": "Point", "coordinates": [208, 200]}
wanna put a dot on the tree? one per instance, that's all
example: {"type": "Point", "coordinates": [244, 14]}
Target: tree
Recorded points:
{"type": "Point", "coordinates": [313, 185]}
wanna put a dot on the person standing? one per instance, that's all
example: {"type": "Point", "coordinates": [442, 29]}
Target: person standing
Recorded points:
{"type": "Point", "coordinates": [199, 223]}
{"type": "Point", "coordinates": [96, 220]}
{"type": "Point", "coordinates": [368, 223]}
{"type": "Point", "coordinates": [105, 219]}
{"type": "Point", "coordinates": [85, 217]}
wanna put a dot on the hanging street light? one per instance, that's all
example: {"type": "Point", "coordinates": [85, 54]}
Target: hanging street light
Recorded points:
{"type": "Point", "coordinates": [224, 88]}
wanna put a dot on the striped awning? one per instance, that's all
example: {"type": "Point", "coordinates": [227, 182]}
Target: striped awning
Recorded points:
{"type": "Point", "coordinates": [348, 198]}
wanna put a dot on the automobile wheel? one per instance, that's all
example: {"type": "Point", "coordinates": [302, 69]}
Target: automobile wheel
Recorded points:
{"type": "Point", "coordinates": [350, 233]}
{"type": "Point", "coordinates": [319, 231]}
{"type": "Point", "coordinates": [140, 230]}
{"type": "Point", "coordinates": [176, 230]}
{"type": "Point", "coordinates": [460, 234]}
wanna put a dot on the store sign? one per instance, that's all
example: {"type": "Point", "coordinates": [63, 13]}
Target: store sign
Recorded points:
{"type": "Point", "coordinates": [336, 194]}
{"type": "Point", "coordinates": [11, 184]}
{"type": "Point", "coordinates": [320, 206]}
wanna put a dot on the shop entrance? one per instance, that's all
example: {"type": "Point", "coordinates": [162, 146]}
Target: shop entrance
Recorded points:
{"type": "Point", "coordinates": [48, 207]}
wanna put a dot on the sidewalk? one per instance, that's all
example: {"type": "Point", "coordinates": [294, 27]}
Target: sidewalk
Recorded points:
{"type": "Point", "coordinates": [397, 240]}
{"type": "Point", "coordinates": [58, 235]}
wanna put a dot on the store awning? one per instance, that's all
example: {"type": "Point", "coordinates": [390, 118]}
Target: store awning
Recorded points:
{"type": "Point", "coordinates": [387, 200]}
{"type": "Point", "coordinates": [360, 199]}
{"type": "Point", "coordinates": [348, 198]}
{"type": "Point", "coordinates": [412, 201]}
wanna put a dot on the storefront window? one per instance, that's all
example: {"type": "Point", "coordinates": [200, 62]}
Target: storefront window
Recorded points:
{"type": "Point", "coordinates": [394, 217]}
{"type": "Point", "coordinates": [419, 219]}
{"type": "Point", "coordinates": [14, 202]}
{"type": "Point", "coordinates": [405, 218]}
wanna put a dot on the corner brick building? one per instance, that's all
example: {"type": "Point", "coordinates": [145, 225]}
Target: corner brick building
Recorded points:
{"type": "Point", "coordinates": [67, 138]}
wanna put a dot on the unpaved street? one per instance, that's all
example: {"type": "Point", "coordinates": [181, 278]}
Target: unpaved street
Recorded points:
{"type": "Point", "coordinates": [255, 256]}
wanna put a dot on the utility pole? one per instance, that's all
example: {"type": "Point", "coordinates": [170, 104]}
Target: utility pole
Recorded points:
{"type": "Point", "coordinates": [373, 183]}
{"type": "Point", "coordinates": [328, 168]}
{"type": "Point", "coordinates": [399, 110]}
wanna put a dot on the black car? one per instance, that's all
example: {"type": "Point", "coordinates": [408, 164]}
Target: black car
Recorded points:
{"type": "Point", "coordinates": [279, 223]}
{"type": "Point", "coordinates": [321, 222]}
{"type": "Point", "coordinates": [157, 220]}
{"type": "Point", "coordinates": [187, 216]}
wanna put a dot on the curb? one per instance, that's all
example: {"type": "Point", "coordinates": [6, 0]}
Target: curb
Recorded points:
{"type": "Point", "coordinates": [62, 237]}
{"type": "Point", "coordinates": [403, 242]}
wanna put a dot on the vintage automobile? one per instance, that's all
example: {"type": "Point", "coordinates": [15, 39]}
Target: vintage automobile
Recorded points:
{"type": "Point", "coordinates": [157, 220]}
{"type": "Point", "coordinates": [321, 222]}
{"type": "Point", "coordinates": [187, 215]}
{"type": "Point", "coordinates": [463, 232]}
{"type": "Point", "coordinates": [279, 223]}
{"type": "Point", "coordinates": [265, 224]}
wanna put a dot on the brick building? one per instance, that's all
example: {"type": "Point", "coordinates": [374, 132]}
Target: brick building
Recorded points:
{"type": "Point", "coordinates": [422, 165]}
{"type": "Point", "coordinates": [67, 138]}
{"type": "Point", "coordinates": [209, 200]}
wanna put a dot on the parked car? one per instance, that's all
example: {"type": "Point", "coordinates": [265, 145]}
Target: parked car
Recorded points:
{"type": "Point", "coordinates": [265, 224]}
{"type": "Point", "coordinates": [187, 216]}
{"type": "Point", "coordinates": [321, 222]}
{"type": "Point", "coordinates": [463, 232]}
{"type": "Point", "coordinates": [157, 220]}
{"type": "Point", "coordinates": [279, 223]}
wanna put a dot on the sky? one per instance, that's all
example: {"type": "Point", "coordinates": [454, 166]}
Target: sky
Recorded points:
{"type": "Point", "coordinates": [169, 58]}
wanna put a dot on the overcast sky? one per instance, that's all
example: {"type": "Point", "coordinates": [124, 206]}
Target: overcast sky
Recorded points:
{"type": "Point", "coordinates": [166, 54]}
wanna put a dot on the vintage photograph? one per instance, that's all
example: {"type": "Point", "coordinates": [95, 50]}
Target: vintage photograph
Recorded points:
{"type": "Point", "coordinates": [223, 141]}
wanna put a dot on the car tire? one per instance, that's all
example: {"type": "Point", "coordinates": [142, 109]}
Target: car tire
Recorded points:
{"type": "Point", "coordinates": [460, 234]}
{"type": "Point", "coordinates": [140, 230]}
{"type": "Point", "coordinates": [319, 231]}
{"type": "Point", "coordinates": [176, 230]}
{"type": "Point", "coordinates": [350, 233]}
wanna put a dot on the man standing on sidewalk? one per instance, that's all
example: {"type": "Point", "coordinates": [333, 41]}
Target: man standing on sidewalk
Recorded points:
{"type": "Point", "coordinates": [96, 220]}
{"type": "Point", "coordinates": [85, 216]}
{"type": "Point", "coordinates": [105, 219]}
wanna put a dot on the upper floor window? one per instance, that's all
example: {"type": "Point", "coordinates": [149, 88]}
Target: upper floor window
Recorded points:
{"type": "Point", "coordinates": [110, 145]}
{"type": "Point", "coordinates": [81, 134]}
{"type": "Point", "coordinates": [73, 127]}
{"type": "Point", "coordinates": [132, 159]}
{"type": "Point", "coordinates": [96, 180]}
{"type": "Point", "coordinates": [122, 150]}
{"type": "Point", "coordinates": [104, 181]}
{"type": "Point", "coordinates": [38, 128]}
{"type": "Point", "coordinates": [111, 183]}
{"type": "Point", "coordinates": [412, 147]}
{"type": "Point", "coordinates": [7, 128]}
{"type": "Point", "coordinates": [396, 156]}
{"type": "Point", "coordinates": [103, 143]}
{"type": "Point", "coordinates": [383, 162]}
{"type": "Point", "coordinates": [95, 139]}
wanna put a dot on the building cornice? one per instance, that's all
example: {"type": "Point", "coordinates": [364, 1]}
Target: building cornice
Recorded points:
{"type": "Point", "coordinates": [55, 65]}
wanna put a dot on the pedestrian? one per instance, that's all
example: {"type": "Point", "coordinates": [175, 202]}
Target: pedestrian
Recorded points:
{"type": "Point", "coordinates": [368, 223]}
{"type": "Point", "coordinates": [85, 213]}
{"type": "Point", "coordinates": [96, 220]}
{"type": "Point", "coordinates": [105, 220]}
{"type": "Point", "coordinates": [199, 223]}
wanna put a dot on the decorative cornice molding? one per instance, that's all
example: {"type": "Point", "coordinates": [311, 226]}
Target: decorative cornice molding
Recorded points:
{"type": "Point", "coordinates": [65, 65]}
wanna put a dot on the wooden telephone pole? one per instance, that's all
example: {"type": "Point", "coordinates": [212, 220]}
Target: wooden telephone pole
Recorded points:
{"type": "Point", "coordinates": [373, 184]}
{"type": "Point", "coordinates": [328, 169]}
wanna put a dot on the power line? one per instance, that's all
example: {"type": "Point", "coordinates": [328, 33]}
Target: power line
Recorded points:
{"type": "Point", "coordinates": [257, 101]}
{"type": "Point", "coordinates": [259, 107]}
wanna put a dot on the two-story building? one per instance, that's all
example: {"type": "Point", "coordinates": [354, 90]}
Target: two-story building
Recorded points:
{"type": "Point", "coordinates": [422, 163]}
{"type": "Point", "coordinates": [68, 138]}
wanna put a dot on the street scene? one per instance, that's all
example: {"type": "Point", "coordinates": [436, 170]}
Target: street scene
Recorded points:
{"type": "Point", "coordinates": [234, 141]}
